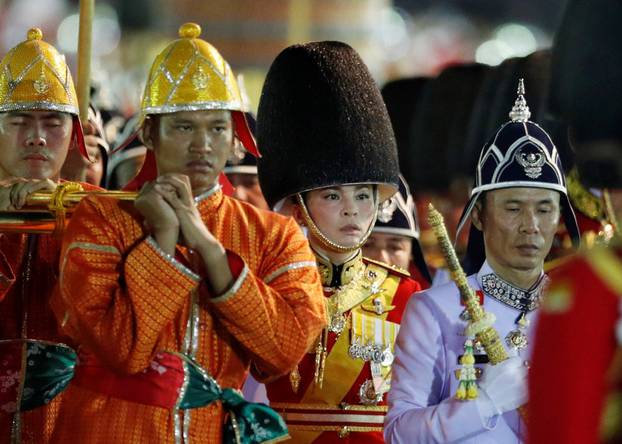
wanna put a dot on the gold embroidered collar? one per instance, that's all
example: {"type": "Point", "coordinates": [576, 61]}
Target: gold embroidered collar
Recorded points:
{"type": "Point", "coordinates": [338, 275]}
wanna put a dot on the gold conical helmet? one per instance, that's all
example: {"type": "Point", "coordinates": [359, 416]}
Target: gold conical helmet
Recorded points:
{"type": "Point", "coordinates": [35, 76]}
{"type": "Point", "coordinates": [190, 75]}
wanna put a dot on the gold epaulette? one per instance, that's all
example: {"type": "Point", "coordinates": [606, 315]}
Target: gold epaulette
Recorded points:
{"type": "Point", "coordinates": [391, 268]}
{"type": "Point", "coordinates": [553, 264]}
{"type": "Point", "coordinates": [582, 199]}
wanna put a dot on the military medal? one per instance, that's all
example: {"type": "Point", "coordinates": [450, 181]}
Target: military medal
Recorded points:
{"type": "Point", "coordinates": [356, 349]}
{"type": "Point", "coordinates": [386, 357]}
{"type": "Point", "coordinates": [368, 395]}
{"type": "Point", "coordinates": [337, 323]}
{"type": "Point", "coordinates": [517, 339]}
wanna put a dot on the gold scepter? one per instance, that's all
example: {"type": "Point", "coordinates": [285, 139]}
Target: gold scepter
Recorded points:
{"type": "Point", "coordinates": [47, 211]}
{"type": "Point", "coordinates": [481, 321]}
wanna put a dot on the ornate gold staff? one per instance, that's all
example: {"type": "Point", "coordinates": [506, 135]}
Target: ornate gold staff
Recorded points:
{"type": "Point", "coordinates": [47, 211]}
{"type": "Point", "coordinates": [480, 323]}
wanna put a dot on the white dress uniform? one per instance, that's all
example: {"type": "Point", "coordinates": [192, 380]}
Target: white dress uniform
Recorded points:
{"type": "Point", "coordinates": [422, 408]}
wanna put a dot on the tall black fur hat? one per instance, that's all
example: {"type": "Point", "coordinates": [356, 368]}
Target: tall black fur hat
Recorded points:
{"type": "Point", "coordinates": [586, 87]}
{"type": "Point", "coordinates": [322, 122]}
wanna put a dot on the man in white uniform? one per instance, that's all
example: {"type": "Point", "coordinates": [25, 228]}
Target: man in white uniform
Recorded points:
{"type": "Point", "coordinates": [515, 207]}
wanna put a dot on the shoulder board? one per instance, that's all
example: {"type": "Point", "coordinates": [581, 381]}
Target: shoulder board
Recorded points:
{"type": "Point", "coordinates": [553, 264]}
{"type": "Point", "coordinates": [393, 269]}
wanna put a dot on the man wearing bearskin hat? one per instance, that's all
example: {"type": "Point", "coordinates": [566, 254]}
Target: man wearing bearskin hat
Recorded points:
{"type": "Point", "coordinates": [38, 126]}
{"type": "Point", "coordinates": [576, 376]}
{"type": "Point", "coordinates": [395, 237]}
{"type": "Point", "coordinates": [330, 159]}
{"type": "Point", "coordinates": [515, 208]}
{"type": "Point", "coordinates": [172, 297]}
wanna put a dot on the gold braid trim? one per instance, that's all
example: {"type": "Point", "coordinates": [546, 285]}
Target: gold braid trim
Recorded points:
{"type": "Point", "coordinates": [343, 430]}
{"type": "Point", "coordinates": [582, 199]}
{"type": "Point", "coordinates": [329, 407]}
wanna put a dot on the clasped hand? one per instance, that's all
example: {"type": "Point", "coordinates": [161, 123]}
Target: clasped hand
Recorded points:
{"type": "Point", "coordinates": [169, 208]}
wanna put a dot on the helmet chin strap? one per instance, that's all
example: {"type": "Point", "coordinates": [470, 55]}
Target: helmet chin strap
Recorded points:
{"type": "Point", "coordinates": [325, 242]}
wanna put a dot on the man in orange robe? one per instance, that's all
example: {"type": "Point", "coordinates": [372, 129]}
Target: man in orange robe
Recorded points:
{"type": "Point", "coordinates": [38, 125]}
{"type": "Point", "coordinates": [184, 271]}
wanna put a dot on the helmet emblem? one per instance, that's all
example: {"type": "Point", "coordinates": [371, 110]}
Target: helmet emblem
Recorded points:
{"type": "Point", "coordinates": [532, 163]}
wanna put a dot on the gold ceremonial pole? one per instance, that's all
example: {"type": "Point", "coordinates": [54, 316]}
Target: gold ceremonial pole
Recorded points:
{"type": "Point", "coordinates": [48, 211]}
{"type": "Point", "coordinates": [480, 323]}
{"type": "Point", "coordinates": [299, 21]}
{"type": "Point", "coordinates": [85, 44]}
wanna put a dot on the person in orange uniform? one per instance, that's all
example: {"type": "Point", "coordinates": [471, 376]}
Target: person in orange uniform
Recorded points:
{"type": "Point", "coordinates": [173, 296]}
{"type": "Point", "coordinates": [329, 157]}
{"type": "Point", "coordinates": [38, 126]}
{"type": "Point", "coordinates": [395, 237]}
{"type": "Point", "coordinates": [576, 371]}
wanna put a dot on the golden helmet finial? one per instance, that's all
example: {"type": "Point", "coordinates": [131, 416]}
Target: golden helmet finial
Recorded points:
{"type": "Point", "coordinates": [189, 30]}
{"type": "Point", "coordinates": [34, 34]}
{"type": "Point", "coordinates": [35, 76]}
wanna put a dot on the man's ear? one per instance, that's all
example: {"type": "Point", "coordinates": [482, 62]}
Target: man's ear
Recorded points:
{"type": "Point", "coordinates": [477, 216]}
{"type": "Point", "coordinates": [146, 133]}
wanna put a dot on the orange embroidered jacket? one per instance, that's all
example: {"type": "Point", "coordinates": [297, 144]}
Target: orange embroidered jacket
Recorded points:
{"type": "Point", "coordinates": [123, 300]}
{"type": "Point", "coordinates": [28, 274]}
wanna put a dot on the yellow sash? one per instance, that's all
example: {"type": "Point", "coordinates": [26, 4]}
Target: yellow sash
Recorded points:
{"type": "Point", "coordinates": [341, 370]}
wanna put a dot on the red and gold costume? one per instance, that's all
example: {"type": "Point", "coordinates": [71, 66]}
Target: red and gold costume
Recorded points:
{"type": "Point", "coordinates": [576, 376]}
{"type": "Point", "coordinates": [28, 274]}
{"type": "Point", "coordinates": [35, 77]}
{"type": "Point", "coordinates": [123, 300]}
{"type": "Point", "coordinates": [341, 399]}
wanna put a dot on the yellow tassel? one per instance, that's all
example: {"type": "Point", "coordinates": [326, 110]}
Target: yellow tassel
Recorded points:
{"type": "Point", "coordinates": [467, 387]}
{"type": "Point", "coordinates": [471, 391]}
{"type": "Point", "coordinates": [461, 392]}
{"type": "Point", "coordinates": [467, 359]}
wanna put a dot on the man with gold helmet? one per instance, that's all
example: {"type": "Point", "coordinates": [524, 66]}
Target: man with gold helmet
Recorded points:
{"type": "Point", "coordinates": [329, 158]}
{"type": "Point", "coordinates": [38, 125]}
{"type": "Point", "coordinates": [177, 294]}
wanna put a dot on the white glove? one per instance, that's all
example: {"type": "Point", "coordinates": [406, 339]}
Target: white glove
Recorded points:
{"type": "Point", "coordinates": [504, 386]}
